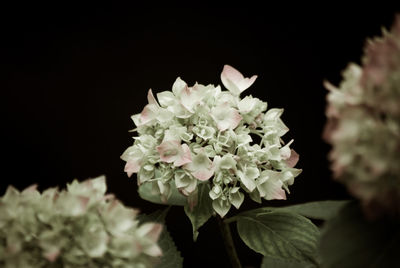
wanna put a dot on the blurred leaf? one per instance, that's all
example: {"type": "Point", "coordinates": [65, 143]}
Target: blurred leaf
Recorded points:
{"type": "Point", "coordinates": [171, 257]}
{"type": "Point", "coordinates": [157, 216]}
{"type": "Point", "coordinates": [320, 210]}
{"type": "Point", "coordinates": [175, 199]}
{"type": "Point", "coordinates": [268, 262]}
{"type": "Point", "coordinates": [202, 211]}
{"type": "Point", "coordinates": [284, 236]}
{"type": "Point", "coordinates": [349, 240]}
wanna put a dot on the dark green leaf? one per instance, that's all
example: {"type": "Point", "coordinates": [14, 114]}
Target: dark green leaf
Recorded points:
{"type": "Point", "coordinates": [156, 216]}
{"type": "Point", "coordinates": [203, 210]}
{"type": "Point", "coordinates": [349, 240]}
{"type": "Point", "coordinates": [284, 236]}
{"type": "Point", "coordinates": [175, 199]}
{"type": "Point", "coordinates": [171, 257]}
{"type": "Point", "coordinates": [320, 210]}
{"type": "Point", "coordinates": [269, 262]}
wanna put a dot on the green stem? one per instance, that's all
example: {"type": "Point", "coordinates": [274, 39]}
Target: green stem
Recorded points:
{"type": "Point", "coordinates": [231, 219]}
{"type": "Point", "coordinates": [228, 241]}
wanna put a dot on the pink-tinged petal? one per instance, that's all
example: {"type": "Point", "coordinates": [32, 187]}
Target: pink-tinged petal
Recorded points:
{"type": "Point", "coordinates": [234, 81]}
{"type": "Point", "coordinates": [201, 167]}
{"type": "Point", "coordinates": [191, 96]}
{"type": "Point", "coordinates": [226, 117]}
{"type": "Point", "coordinates": [83, 202]}
{"type": "Point", "coordinates": [186, 156]}
{"type": "Point", "coordinates": [188, 99]}
{"type": "Point", "coordinates": [293, 159]}
{"type": "Point", "coordinates": [169, 150]}
{"type": "Point", "coordinates": [178, 86]}
{"type": "Point", "coordinates": [278, 194]}
{"type": "Point", "coordinates": [52, 256]}
{"type": "Point", "coordinates": [32, 188]}
{"type": "Point", "coordinates": [230, 73]}
{"type": "Point", "coordinates": [132, 166]}
{"type": "Point", "coordinates": [235, 118]}
{"type": "Point", "coordinates": [150, 98]}
{"type": "Point", "coordinates": [155, 232]}
{"type": "Point", "coordinates": [203, 174]}
{"type": "Point", "coordinates": [150, 230]}
{"type": "Point", "coordinates": [154, 250]}
{"type": "Point", "coordinates": [270, 186]}
{"type": "Point", "coordinates": [148, 113]}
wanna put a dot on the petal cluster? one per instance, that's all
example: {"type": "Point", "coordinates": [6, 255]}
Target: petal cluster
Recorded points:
{"type": "Point", "coordinates": [77, 227]}
{"type": "Point", "coordinates": [204, 134]}
{"type": "Point", "coordinates": [364, 125]}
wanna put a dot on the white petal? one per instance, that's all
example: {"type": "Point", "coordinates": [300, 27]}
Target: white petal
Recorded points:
{"type": "Point", "coordinates": [150, 98]}
{"type": "Point", "coordinates": [154, 250]}
{"type": "Point", "coordinates": [285, 150]}
{"type": "Point", "coordinates": [248, 182]}
{"type": "Point", "coordinates": [166, 98]}
{"type": "Point", "coordinates": [273, 114]}
{"type": "Point", "coordinates": [185, 157]}
{"type": "Point", "coordinates": [234, 81]}
{"type": "Point", "coordinates": [178, 86]}
{"type": "Point", "coordinates": [221, 206]}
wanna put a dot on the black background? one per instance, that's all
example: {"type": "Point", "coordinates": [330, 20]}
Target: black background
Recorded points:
{"type": "Point", "coordinates": [71, 77]}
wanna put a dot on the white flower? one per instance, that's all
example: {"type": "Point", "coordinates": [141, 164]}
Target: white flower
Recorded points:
{"type": "Point", "coordinates": [363, 125]}
{"type": "Point", "coordinates": [74, 228]}
{"type": "Point", "coordinates": [203, 134]}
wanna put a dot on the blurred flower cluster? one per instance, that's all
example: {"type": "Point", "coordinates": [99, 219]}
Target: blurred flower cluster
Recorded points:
{"type": "Point", "coordinates": [202, 134]}
{"type": "Point", "coordinates": [364, 125]}
{"type": "Point", "coordinates": [77, 227]}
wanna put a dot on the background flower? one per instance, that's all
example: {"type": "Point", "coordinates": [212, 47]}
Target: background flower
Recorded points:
{"type": "Point", "coordinates": [76, 227]}
{"type": "Point", "coordinates": [364, 125]}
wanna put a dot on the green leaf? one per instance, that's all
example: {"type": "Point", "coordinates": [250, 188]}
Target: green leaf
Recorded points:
{"type": "Point", "coordinates": [203, 210]}
{"type": "Point", "coordinates": [175, 199]}
{"type": "Point", "coordinates": [268, 262]}
{"type": "Point", "coordinates": [281, 235]}
{"type": "Point", "coordinates": [157, 216]}
{"type": "Point", "coordinates": [320, 210]}
{"type": "Point", "coordinates": [171, 257]}
{"type": "Point", "coordinates": [349, 240]}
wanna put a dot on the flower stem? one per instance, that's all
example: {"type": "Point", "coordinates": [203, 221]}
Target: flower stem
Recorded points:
{"type": "Point", "coordinates": [228, 241]}
{"type": "Point", "coordinates": [231, 219]}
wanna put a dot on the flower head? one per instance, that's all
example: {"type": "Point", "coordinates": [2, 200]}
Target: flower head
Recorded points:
{"type": "Point", "coordinates": [364, 125]}
{"type": "Point", "coordinates": [202, 134]}
{"type": "Point", "coordinates": [76, 227]}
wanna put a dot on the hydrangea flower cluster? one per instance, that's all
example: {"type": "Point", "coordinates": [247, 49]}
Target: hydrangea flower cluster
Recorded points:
{"type": "Point", "coordinates": [364, 125]}
{"type": "Point", "coordinates": [77, 227]}
{"type": "Point", "coordinates": [203, 134]}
